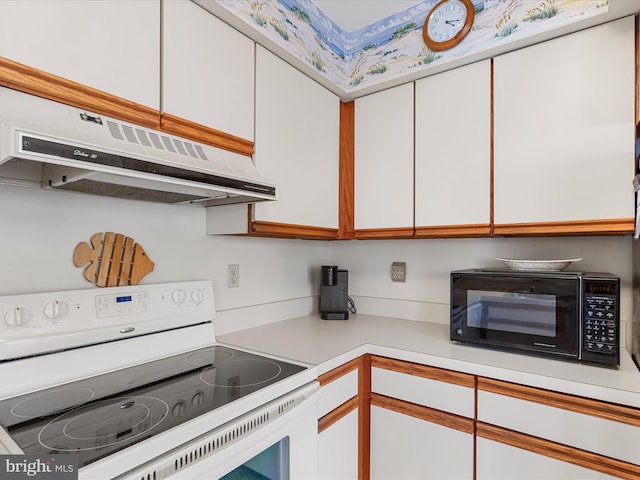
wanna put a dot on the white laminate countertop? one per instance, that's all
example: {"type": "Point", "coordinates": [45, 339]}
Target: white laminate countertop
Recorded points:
{"type": "Point", "coordinates": [330, 343]}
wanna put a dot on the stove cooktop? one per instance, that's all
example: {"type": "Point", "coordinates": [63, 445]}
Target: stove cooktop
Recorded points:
{"type": "Point", "coordinates": [97, 416]}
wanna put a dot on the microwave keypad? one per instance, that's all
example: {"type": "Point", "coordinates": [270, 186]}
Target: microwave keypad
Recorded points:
{"type": "Point", "coordinates": [600, 323]}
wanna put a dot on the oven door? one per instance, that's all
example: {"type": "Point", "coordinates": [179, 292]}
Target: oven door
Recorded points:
{"type": "Point", "coordinates": [530, 312]}
{"type": "Point", "coordinates": [252, 446]}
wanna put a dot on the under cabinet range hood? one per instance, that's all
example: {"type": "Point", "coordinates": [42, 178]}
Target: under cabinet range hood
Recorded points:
{"type": "Point", "coordinates": [56, 146]}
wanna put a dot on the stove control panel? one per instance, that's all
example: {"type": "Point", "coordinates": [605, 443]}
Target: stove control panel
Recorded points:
{"type": "Point", "coordinates": [42, 322]}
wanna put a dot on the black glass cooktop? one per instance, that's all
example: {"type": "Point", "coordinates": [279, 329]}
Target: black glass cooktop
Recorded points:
{"type": "Point", "coordinates": [97, 416]}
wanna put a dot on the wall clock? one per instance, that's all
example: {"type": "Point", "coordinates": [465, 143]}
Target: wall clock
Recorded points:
{"type": "Point", "coordinates": [448, 22]}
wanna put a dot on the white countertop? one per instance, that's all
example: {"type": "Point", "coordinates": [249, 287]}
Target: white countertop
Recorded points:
{"type": "Point", "coordinates": [329, 343]}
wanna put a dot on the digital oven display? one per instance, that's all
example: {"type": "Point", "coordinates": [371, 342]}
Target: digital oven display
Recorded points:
{"type": "Point", "coordinates": [123, 299]}
{"type": "Point", "coordinates": [600, 288]}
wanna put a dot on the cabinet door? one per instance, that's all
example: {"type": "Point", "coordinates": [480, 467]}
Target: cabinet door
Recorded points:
{"type": "Point", "coordinates": [111, 46]}
{"type": "Point", "coordinates": [383, 196]}
{"type": "Point", "coordinates": [499, 461]}
{"type": "Point", "coordinates": [338, 449]}
{"type": "Point", "coordinates": [564, 132]}
{"type": "Point", "coordinates": [207, 70]}
{"type": "Point", "coordinates": [453, 151]}
{"type": "Point", "coordinates": [296, 145]}
{"type": "Point", "coordinates": [405, 447]}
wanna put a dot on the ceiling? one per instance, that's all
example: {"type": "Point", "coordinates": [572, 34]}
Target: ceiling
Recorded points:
{"type": "Point", "coordinates": [355, 19]}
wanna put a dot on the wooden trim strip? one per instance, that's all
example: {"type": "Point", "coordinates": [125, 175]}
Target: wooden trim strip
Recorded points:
{"type": "Point", "coordinates": [471, 230]}
{"type": "Point", "coordinates": [492, 151]}
{"type": "Point", "coordinates": [582, 458]}
{"type": "Point", "coordinates": [433, 373]}
{"type": "Point", "coordinates": [285, 230]}
{"type": "Point", "coordinates": [52, 87]}
{"type": "Point", "coordinates": [619, 226]}
{"type": "Point", "coordinates": [337, 414]}
{"type": "Point", "coordinates": [432, 415]}
{"type": "Point", "coordinates": [339, 372]}
{"type": "Point", "coordinates": [383, 233]}
{"type": "Point", "coordinates": [203, 134]}
{"type": "Point", "coordinates": [364, 418]}
{"type": "Point", "coordinates": [587, 406]}
{"type": "Point", "coordinates": [346, 180]}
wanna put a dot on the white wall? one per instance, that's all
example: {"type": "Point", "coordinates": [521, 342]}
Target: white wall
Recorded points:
{"type": "Point", "coordinates": [425, 295]}
{"type": "Point", "coordinates": [40, 229]}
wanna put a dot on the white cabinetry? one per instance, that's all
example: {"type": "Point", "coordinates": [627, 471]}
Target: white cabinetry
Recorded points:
{"type": "Point", "coordinates": [453, 149]}
{"type": "Point", "coordinates": [207, 70]}
{"type": "Point", "coordinates": [296, 144]}
{"type": "Point", "coordinates": [564, 128]}
{"type": "Point", "coordinates": [383, 196]}
{"type": "Point", "coordinates": [421, 421]}
{"type": "Point", "coordinates": [110, 46]}
{"type": "Point", "coordinates": [338, 419]}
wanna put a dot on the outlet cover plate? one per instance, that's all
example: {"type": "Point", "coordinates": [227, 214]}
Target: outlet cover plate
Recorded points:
{"type": "Point", "coordinates": [399, 272]}
{"type": "Point", "coordinates": [233, 275]}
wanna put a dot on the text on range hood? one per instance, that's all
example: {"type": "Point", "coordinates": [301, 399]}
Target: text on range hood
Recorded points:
{"type": "Point", "coordinates": [61, 147]}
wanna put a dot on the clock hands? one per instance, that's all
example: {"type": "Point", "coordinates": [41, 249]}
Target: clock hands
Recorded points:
{"type": "Point", "coordinates": [452, 22]}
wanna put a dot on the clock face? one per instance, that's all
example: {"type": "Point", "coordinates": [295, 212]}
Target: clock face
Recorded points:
{"type": "Point", "coordinates": [447, 20]}
{"type": "Point", "coordinates": [448, 23]}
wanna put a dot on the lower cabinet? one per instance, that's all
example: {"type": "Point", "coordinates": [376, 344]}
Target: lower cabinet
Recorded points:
{"type": "Point", "coordinates": [338, 449]}
{"type": "Point", "coordinates": [500, 461]}
{"type": "Point", "coordinates": [406, 447]}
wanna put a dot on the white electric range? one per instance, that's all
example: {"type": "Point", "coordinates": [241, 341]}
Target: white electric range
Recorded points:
{"type": "Point", "coordinates": [130, 383]}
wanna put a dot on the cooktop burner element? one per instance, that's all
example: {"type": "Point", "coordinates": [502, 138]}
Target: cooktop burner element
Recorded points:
{"type": "Point", "coordinates": [97, 416]}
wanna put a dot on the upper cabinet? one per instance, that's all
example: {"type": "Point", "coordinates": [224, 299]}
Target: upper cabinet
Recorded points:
{"type": "Point", "coordinates": [564, 113]}
{"type": "Point", "coordinates": [453, 152]}
{"type": "Point", "coordinates": [207, 74]}
{"type": "Point", "coordinates": [108, 46]}
{"type": "Point", "coordinates": [383, 171]}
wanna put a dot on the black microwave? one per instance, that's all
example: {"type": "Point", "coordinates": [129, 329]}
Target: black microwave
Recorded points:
{"type": "Point", "coordinates": [569, 314]}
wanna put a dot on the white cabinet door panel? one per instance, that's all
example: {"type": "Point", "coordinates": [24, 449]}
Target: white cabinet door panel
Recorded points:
{"type": "Point", "coordinates": [453, 147]}
{"type": "Point", "coordinates": [404, 447]}
{"type": "Point", "coordinates": [207, 71]}
{"type": "Point", "coordinates": [383, 196]}
{"type": "Point", "coordinates": [565, 126]}
{"type": "Point", "coordinates": [338, 449]}
{"type": "Point", "coordinates": [337, 392]}
{"type": "Point", "coordinates": [296, 145]}
{"type": "Point", "coordinates": [497, 461]}
{"type": "Point", "coordinates": [107, 45]}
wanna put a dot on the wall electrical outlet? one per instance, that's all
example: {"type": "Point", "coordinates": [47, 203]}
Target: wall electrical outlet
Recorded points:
{"type": "Point", "coordinates": [233, 275]}
{"type": "Point", "coordinates": [399, 272]}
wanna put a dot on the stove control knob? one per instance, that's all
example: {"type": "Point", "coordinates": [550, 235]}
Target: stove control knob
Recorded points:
{"type": "Point", "coordinates": [197, 296]}
{"type": "Point", "coordinates": [197, 399]}
{"type": "Point", "coordinates": [179, 409]}
{"type": "Point", "coordinates": [178, 296]}
{"type": "Point", "coordinates": [55, 310]}
{"type": "Point", "coordinates": [17, 317]}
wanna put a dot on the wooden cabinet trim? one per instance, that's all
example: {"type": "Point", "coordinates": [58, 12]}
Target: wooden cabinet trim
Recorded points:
{"type": "Point", "coordinates": [471, 230]}
{"type": "Point", "coordinates": [346, 176]}
{"type": "Point", "coordinates": [339, 372]}
{"type": "Point", "coordinates": [337, 414]}
{"type": "Point", "coordinates": [432, 415]}
{"type": "Point", "coordinates": [203, 134]}
{"type": "Point", "coordinates": [383, 233]}
{"type": "Point", "coordinates": [587, 406]}
{"type": "Point", "coordinates": [364, 418]}
{"type": "Point", "coordinates": [285, 230]}
{"type": "Point", "coordinates": [560, 452]}
{"type": "Point", "coordinates": [619, 226]}
{"type": "Point", "coordinates": [416, 369]}
{"type": "Point", "coordinates": [52, 87]}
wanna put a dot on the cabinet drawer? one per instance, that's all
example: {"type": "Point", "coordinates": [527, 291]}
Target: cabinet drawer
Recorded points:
{"type": "Point", "coordinates": [337, 392]}
{"type": "Point", "coordinates": [451, 392]}
{"type": "Point", "coordinates": [590, 425]}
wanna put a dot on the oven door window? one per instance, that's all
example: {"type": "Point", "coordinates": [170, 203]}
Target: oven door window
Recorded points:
{"type": "Point", "coordinates": [535, 313]}
{"type": "Point", "coordinates": [270, 464]}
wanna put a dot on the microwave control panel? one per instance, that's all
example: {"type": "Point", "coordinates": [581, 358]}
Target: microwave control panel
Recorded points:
{"type": "Point", "coordinates": [601, 322]}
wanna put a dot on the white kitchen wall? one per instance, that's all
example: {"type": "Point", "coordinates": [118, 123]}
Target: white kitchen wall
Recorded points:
{"type": "Point", "coordinates": [425, 295]}
{"type": "Point", "coordinates": [40, 229]}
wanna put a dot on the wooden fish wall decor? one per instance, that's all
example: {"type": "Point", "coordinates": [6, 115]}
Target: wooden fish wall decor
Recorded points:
{"type": "Point", "coordinates": [115, 260]}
